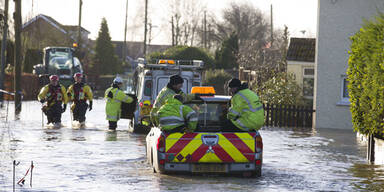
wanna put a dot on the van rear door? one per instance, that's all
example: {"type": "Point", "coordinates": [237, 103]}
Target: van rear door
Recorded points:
{"type": "Point", "coordinates": [162, 81]}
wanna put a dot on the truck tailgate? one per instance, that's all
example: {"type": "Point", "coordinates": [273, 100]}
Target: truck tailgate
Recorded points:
{"type": "Point", "coordinates": [210, 147]}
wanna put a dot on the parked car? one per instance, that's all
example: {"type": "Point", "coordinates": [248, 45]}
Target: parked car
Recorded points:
{"type": "Point", "coordinates": [208, 148]}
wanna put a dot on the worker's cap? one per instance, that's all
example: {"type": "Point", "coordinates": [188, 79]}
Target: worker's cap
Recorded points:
{"type": "Point", "coordinates": [78, 75]}
{"type": "Point", "coordinates": [234, 82]}
{"type": "Point", "coordinates": [175, 80]}
{"type": "Point", "coordinates": [117, 80]}
{"type": "Point", "coordinates": [53, 78]}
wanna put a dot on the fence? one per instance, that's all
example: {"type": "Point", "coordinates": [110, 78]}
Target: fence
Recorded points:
{"type": "Point", "coordinates": [288, 115]}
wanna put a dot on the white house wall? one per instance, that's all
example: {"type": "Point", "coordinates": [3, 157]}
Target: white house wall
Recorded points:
{"type": "Point", "coordinates": [337, 21]}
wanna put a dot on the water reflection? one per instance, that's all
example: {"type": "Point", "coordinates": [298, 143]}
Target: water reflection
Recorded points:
{"type": "Point", "coordinates": [95, 159]}
{"type": "Point", "coordinates": [111, 135]}
{"type": "Point", "coordinates": [371, 177]}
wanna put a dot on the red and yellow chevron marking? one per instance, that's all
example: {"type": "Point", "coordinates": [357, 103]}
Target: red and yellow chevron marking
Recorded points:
{"type": "Point", "coordinates": [231, 147]}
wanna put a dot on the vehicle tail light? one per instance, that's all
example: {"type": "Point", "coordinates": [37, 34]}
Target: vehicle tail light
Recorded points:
{"type": "Point", "coordinates": [161, 143]}
{"type": "Point", "coordinates": [259, 144]}
{"type": "Point", "coordinates": [258, 162]}
{"type": "Point", "coordinates": [162, 162]}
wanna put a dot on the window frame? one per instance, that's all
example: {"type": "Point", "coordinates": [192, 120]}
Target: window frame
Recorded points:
{"type": "Point", "coordinates": [344, 86]}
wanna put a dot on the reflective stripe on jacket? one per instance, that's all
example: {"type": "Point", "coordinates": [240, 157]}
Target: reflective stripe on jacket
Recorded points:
{"type": "Point", "coordinates": [53, 94]}
{"type": "Point", "coordinates": [246, 111]}
{"type": "Point", "coordinates": [174, 114]}
{"type": "Point", "coordinates": [113, 106]}
{"type": "Point", "coordinates": [165, 94]}
{"type": "Point", "coordinates": [81, 93]}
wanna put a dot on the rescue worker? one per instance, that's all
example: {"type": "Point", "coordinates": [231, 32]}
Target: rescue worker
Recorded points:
{"type": "Point", "coordinates": [115, 96]}
{"type": "Point", "coordinates": [176, 117]}
{"type": "Point", "coordinates": [173, 87]}
{"type": "Point", "coordinates": [246, 112]}
{"type": "Point", "coordinates": [79, 93]}
{"type": "Point", "coordinates": [53, 95]}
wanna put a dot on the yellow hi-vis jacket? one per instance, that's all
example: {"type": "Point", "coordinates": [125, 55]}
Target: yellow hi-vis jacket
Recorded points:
{"type": "Point", "coordinates": [53, 94]}
{"type": "Point", "coordinates": [246, 111]}
{"type": "Point", "coordinates": [165, 94]}
{"type": "Point", "coordinates": [174, 114]}
{"type": "Point", "coordinates": [113, 106]}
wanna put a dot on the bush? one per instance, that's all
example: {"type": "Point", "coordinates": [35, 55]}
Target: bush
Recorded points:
{"type": "Point", "coordinates": [365, 76]}
{"type": "Point", "coordinates": [183, 53]}
{"type": "Point", "coordinates": [216, 78]}
{"type": "Point", "coordinates": [281, 89]}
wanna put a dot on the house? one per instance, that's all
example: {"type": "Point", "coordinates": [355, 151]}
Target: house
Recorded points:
{"type": "Point", "coordinates": [43, 31]}
{"type": "Point", "coordinates": [337, 21]}
{"type": "Point", "coordinates": [301, 63]}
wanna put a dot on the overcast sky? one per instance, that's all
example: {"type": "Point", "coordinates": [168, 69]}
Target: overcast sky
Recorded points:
{"type": "Point", "coordinates": [298, 15]}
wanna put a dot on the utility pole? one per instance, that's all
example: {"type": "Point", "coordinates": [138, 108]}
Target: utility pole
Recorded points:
{"type": "Point", "coordinates": [3, 49]}
{"type": "Point", "coordinates": [145, 28]}
{"type": "Point", "coordinates": [271, 26]}
{"type": "Point", "coordinates": [173, 32]}
{"type": "Point", "coordinates": [17, 19]}
{"type": "Point", "coordinates": [205, 29]}
{"type": "Point", "coordinates": [79, 30]}
{"type": "Point", "coordinates": [125, 33]}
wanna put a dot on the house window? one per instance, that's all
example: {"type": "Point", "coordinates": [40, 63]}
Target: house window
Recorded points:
{"type": "Point", "coordinates": [344, 94]}
{"type": "Point", "coordinates": [308, 83]}
{"type": "Point", "coordinates": [345, 88]}
{"type": "Point", "coordinates": [309, 71]}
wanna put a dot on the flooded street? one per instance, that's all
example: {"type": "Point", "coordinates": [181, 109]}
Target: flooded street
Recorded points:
{"type": "Point", "coordinates": [94, 159]}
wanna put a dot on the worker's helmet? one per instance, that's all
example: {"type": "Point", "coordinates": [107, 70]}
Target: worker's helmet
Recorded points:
{"type": "Point", "coordinates": [78, 75]}
{"type": "Point", "coordinates": [53, 78]}
{"type": "Point", "coordinates": [147, 103]}
{"type": "Point", "coordinates": [117, 80]}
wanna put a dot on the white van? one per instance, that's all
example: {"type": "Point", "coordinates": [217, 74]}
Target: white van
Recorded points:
{"type": "Point", "coordinates": [149, 79]}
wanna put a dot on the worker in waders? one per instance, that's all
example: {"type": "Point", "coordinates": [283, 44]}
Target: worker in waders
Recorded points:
{"type": "Point", "coordinates": [55, 99]}
{"type": "Point", "coordinates": [79, 93]}
{"type": "Point", "coordinates": [115, 96]}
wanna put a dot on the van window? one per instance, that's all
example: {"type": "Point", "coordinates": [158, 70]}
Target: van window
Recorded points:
{"type": "Point", "coordinates": [163, 81]}
{"type": "Point", "coordinates": [196, 84]}
{"type": "Point", "coordinates": [148, 88]}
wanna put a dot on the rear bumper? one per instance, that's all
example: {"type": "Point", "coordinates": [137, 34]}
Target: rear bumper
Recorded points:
{"type": "Point", "coordinates": [230, 167]}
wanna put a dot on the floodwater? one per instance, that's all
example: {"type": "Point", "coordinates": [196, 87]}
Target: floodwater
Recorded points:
{"type": "Point", "coordinates": [94, 159]}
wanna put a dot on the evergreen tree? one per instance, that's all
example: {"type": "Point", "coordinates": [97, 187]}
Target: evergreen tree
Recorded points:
{"type": "Point", "coordinates": [226, 56]}
{"type": "Point", "coordinates": [105, 61]}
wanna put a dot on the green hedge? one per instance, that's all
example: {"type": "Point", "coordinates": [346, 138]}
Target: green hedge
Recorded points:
{"type": "Point", "coordinates": [366, 77]}
{"type": "Point", "coordinates": [216, 78]}
{"type": "Point", "coordinates": [183, 53]}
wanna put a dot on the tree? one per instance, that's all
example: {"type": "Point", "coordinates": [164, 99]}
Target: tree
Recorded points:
{"type": "Point", "coordinates": [247, 22]}
{"type": "Point", "coordinates": [280, 89]}
{"type": "Point", "coordinates": [216, 78]}
{"type": "Point", "coordinates": [105, 60]}
{"type": "Point", "coordinates": [226, 56]}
